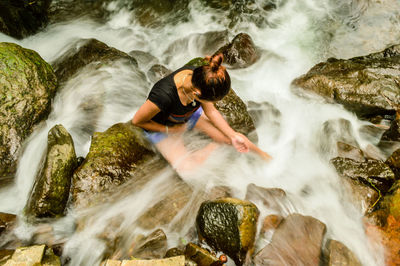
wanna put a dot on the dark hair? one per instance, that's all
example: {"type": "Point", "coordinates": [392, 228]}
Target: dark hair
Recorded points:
{"type": "Point", "coordinates": [213, 80]}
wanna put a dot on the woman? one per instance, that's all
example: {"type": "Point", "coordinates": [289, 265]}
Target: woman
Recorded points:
{"type": "Point", "coordinates": [184, 100]}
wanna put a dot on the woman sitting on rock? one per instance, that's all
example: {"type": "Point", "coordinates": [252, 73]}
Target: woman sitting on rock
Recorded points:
{"type": "Point", "coordinates": [185, 100]}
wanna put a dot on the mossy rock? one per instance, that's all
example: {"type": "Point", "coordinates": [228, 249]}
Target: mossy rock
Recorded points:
{"type": "Point", "coordinates": [232, 108]}
{"type": "Point", "coordinates": [115, 156]}
{"type": "Point", "coordinates": [366, 85]}
{"type": "Point", "coordinates": [28, 85]}
{"type": "Point", "coordinates": [229, 225]}
{"type": "Point", "coordinates": [50, 191]}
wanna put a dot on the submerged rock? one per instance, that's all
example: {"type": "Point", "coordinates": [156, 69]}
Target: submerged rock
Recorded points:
{"type": "Point", "coordinates": [20, 18]}
{"type": "Point", "coordinates": [349, 151]}
{"type": "Point", "coordinates": [241, 52]}
{"type": "Point", "coordinates": [28, 85]}
{"type": "Point", "coordinates": [366, 85]}
{"type": "Point", "coordinates": [115, 156]}
{"type": "Point", "coordinates": [296, 241]}
{"type": "Point", "coordinates": [229, 225]}
{"type": "Point", "coordinates": [232, 108]}
{"type": "Point", "coordinates": [85, 52]}
{"type": "Point", "coordinates": [394, 163]}
{"type": "Point", "coordinates": [271, 198]}
{"type": "Point", "coordinates": [201, 256]}
{"type": "Point", "coordinates": [338, 254]}
{"type": "Point", "coordinates": [152, 246]}
{"type": "Point", "coordinates": [8, 222]}
{"type": "Point", "coordinates": [50, 191]}
{"type": "Point", "coordinates": [374, 173]}
{"type": "Point", "coordinates": [157, 72]}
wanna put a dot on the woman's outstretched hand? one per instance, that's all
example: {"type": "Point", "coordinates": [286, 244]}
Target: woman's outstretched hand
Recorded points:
{"type": "Point", "coordinates": [240, 143]}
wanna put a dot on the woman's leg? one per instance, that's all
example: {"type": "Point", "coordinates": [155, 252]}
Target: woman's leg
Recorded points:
{"type": "Point", "coordinates": [204, 125]}
{"type": "Point", "coordinates": [174, 151]}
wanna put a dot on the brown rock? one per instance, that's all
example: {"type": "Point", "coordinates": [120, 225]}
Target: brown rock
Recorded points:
{"type": "Point", "coordinates": [272, 198]}
{"type": "Point", "coordinates": [200, 255]}
{"type": "Point", "coordinates": [363, 197]}
{"type": "Point", "coordinates": [297, 240]}
{"type": "Point", "coordinates": [349, 151]}
{"type": "Point", "coordinates": [152, 246]}
{"type": "Point", "coordinates": [339, 254]}
{"type": "Point", "coordinates": [271, 222]}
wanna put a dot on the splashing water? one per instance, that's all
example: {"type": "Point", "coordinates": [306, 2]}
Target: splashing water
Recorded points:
{"type": "Point", "coordinates": [294, 36]}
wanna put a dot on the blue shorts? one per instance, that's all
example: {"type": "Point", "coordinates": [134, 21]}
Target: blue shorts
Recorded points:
{"type": "Point", "coordinates": [156, 137]}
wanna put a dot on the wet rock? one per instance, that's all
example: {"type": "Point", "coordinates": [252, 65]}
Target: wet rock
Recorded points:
{"type": "Point", "coordinates": [164, 211]}
{"type": "Point", "coordinates": [145, 60]}
{"type": "Point", "coordinates": [349, 151]}
{"type": "Point", "coordinates": [157, 72]}
{"type": "Point", "coordinates": [62, 10]}
{"type": "Point", "coordinates": [201, 256]}
{"type": "Point", "coordinates": [28, 85]}
{"type": "Point", "coordinates": [205, 43]}
{"type": "Point", "coordinates": [229, 225]}
{"type": "Point", "coordinates": [20, 18]}
{"type": "Point", "coordinates": [271, 222]}
{"type": "Point", "coordinates": [5, 255]}
{"type": "Point", "coordinates": [338, 254]}
{"type": "Point", "coordinates": [219, 192]}
{"type": "Point", "coordinates": [115, 156]}
{"type": "Point", "coordinates": [374, 153]}
{"type": "Point", "coordinates": [7, 221]}
{"type": "Point", "coordinates": [152, 246]}
{"type": "Point", "coordinates": [366, 85]}
{"type": "Point", "coordinates": [297, 240]}
{"type": "Point", "coordinates": [393, 133]}
{"type": "Point", "coordinates": [241, 52]}
{"type": "Point", "coordinates": [156, 13]}
{"type": "Point", "coordinates": [177, 251]}
{"type": "Point", "coordinates": [362, 196]}
{"type": "Point", "coordinates": [85, 52]}
{"type": "Point", "coordinates": [373, 173]}
{"type": "Point", "coordinates": [265, 113]}
{"type": "Point", "coordinates": [173, 261]}
{"type": "Point", "coordinates": [7, 224]}
{"type": "Point", "coordinates": [232, 108]}
{"type": "Point", "coordinates": [394, 163]}
{"type": "Point", "coordinates": [50, 191]}
{"type": "Point", "coordinates": [272, 198]}
{"type": "Point", "coordinates": [34, 255]}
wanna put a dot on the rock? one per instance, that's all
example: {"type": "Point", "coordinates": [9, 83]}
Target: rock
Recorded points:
{"type": "Point", "coordinates": [7, 224]}
{"type": "Point", "coordinates": [157, 72]}
{"type": "Point", "coordinates": [50, 191]}
{"type": "Point", "coordinates": [364, 197]}
{"type": "Point", "coordinates": [115, 156]}
{"type": "Point", "coordinates": [241, 52]}
{"type": "Point", "coordinates": [205, 43]}
{"type": "Point", "coordinates": [365, 85]}
{"type": "Point", "coordinates": [34, 255]}
{"type": "Point", "coordinates": [229, 225]}
{"type": "Point", "coordinates": [349, 151]}
{"type": "Point", "coordinates": [174, 261]}
{"type": "Point", "coordinates": [152, 246]}
{"type": "Point", "coordinates": [265, 113]}
{"type": "Point", "coordinates": [232, 108]}
{"type": "Point", "coordinates": [20, 18]}
{"type": "Point", "coordinates": [145, 60]}
{"type": "Point", "coordinates": [201, 256]}
{"type": "Point", "coordinates": [5, 255]}
{"type": "Point", "coordinates": [297, 241]}
{"type": "Point", "coordinates": [391, 202]}
{"type": "Point", "coordinates": [394, 163]}
{"type": "Point", "coordinates": [28, 85]}
{"type": "Point", "coordinates": [338, 254]}
{"type": "Point", "coordinates": [85, 52]}
{"type": "Point", "coordinates": [157, 13]}
{"type": "Point", "coordinates": [373, 173]}
{"type": "Point", "coordinates": [272, 198]}
{"type": "Point", "coordinates": [164, 211]}
{"type": "Point", "coordinates": [7, 221]}
{"type": "Point", "coordinates": [393, 133]}
{"type": "Point", "coordinates": [219, 192]}
{"type": "Point", "coordinates": [271, 222]}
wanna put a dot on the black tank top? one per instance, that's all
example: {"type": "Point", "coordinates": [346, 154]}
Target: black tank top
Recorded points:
{"type": "Point", "coordinates": [164, 94]}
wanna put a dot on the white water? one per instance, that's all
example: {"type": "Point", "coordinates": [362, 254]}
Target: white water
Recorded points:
{"type": "Point", "coordinates": [302, 33]}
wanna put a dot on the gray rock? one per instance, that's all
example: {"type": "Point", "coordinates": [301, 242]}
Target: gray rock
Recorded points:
{"type": "Point", "coordinates": [28, 85]}
{"type": "Point", "coordinates": [50, 191]}
{"type": "Point", "coordinates": [374, 173]}
{"type": "Point", "coordinates": [229, 225]}
{"type": "Point", "coordinates": [157, 72]}
{"type": "Point", "coordinates": [297, 241]}
{"type": "Point", "coordinates": [366, 85]}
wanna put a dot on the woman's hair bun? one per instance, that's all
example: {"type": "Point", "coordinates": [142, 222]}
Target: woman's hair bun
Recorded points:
{"type": "Point", "coordinates": [216, 61]}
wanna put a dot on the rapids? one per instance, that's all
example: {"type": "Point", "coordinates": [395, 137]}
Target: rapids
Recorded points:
{"type": "Point", "coordinates": [294, 37]}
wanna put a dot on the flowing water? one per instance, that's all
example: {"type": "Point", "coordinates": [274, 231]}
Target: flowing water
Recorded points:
{"type": "Point", "coordinates": [294, 36]}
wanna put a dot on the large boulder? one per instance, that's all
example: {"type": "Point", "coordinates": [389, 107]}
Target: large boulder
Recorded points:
{"type": "Point", "coordinates": [229, 225]}
{"type": "Point", "coordinates": [85, 52]}
{"type": "Point", "coordinates": [241, 52]}
{"type": "Point", "coordinates": [20, 18]}
{"type": "Point", "coordinates": [28, 85]}
{"type": "Point", "coordinates": [296, 241]}
{"type": "Point", "coordinates": [50, 191]}
{"type": "Point", "coordinates": [115, 156]}
{"type": "Point", "coordinates": [374, 173]}
{"type": "Point", "coordinates": [367, 85]}
{"type": "Point", "coordinates": [232, 108]}
{"type": "Point", "coordinates": [338, 254]}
